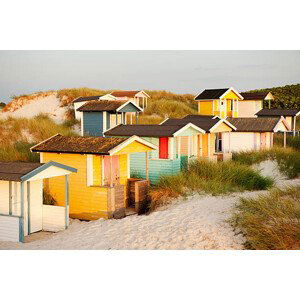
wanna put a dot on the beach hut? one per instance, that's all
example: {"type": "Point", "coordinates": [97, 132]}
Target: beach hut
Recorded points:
{"type": "Point", "coordinates": [252, 103]}
{"type": "Point", "coordinates": [140, 98]}
{"type": "Point", "coordinates": [219, 102]}
{"type": "Point", "coordinates": [179, 142]}
{"type": "Point", "coordinates": [290, 115]}
{"type": "Point", "coordinates": [254, 133]}
{"type": "Point", "coordinates": [22, 211]}
{"type": "Point", "coordinates": [101, 115]}
{"type": "Point", "coordinates": [82, 100]}
{"type": "Point", "coordinates": [99, 189]}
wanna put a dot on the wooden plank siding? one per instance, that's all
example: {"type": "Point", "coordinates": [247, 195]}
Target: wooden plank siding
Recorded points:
{"type": "Point", "coordinates": [83, 199]}
{"type": "Point", "coordinates": [92, 123]}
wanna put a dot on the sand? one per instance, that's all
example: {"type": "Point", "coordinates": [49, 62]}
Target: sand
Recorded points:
{"type": "Point", "coordinates": [198, 222]}
{"type": "Point", "coordinates": [47, 105]}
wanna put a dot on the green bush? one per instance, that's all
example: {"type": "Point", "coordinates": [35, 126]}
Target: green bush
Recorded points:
{"type": "Point", "coordinates": [270, 222]}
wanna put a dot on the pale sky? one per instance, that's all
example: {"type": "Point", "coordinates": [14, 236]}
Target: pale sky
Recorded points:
{"type": "Point", "coordinates": [24, 72]}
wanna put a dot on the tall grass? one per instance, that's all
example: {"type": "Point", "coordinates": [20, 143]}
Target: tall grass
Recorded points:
{"type": "Point", "coordinates": [288, 159]}
{"type": "Point", "coordinates": [68, 95]}
{"type": "Point", "coordinates": [208, 177]}
{"type": "Point", "coordinates": [270, 222]}
{"type": "Point", "coordinates": [291, 141]}
{"type": "Point", "coordinates": [18, 135]}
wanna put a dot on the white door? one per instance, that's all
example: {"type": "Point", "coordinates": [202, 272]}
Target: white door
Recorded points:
{"type": "Point", "coordinates": [36, 206]}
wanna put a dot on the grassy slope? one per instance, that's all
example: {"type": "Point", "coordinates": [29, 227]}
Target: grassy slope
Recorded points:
{"type": "Point", "coordinates": [18, 135]}
{"type": "Point", "coordinates": [270, 222]}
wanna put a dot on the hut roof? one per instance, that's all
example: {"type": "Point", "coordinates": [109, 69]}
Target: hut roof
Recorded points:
{"type": "Point", "coordinates": [78, 144]}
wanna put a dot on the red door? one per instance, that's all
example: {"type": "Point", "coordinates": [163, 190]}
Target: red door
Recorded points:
{"type": "Point", "coordinates": [163, 148]}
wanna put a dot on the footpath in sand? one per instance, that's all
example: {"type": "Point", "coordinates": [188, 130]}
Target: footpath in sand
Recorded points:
{"type": "Point", "coordinates": [199, 222]}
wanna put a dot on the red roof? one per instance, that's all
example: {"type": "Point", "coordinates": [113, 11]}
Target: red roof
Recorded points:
{"type": "Point", "coordinates": [124, 93]}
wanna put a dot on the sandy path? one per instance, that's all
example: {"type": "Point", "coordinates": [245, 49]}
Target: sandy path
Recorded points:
{"type": "Point", "coordinates": [196, 223]}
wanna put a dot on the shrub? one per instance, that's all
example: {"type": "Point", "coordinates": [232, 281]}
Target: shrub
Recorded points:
{"type": "Point", "coordinates": [208, 177]}
{"type": "Point", "coordinates": [288, 159]}
{"type": "Point", "coordinates": [270, 222]}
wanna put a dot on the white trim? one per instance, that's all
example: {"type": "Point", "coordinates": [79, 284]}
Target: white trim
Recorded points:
{"type": "Point", "coordinates": [178, 146]}
{"type": "Point", "coordinates": [234, 90]}
{"type": "Point", "coordinates": [128, 165]}
{"type": "Point", "coordinates": [221, 121]}
{"type": "Point", "coordinates": [171, 147]}
{"type": "Point", "coordinates": [283, 120]}
{"type": "Point", "coordinates": [104, 121]}
{"type": "Point", "coordinates": [164, 121]}
{"type": "Point", "coordinates": [126, 103]}
{"type": "Point", "coordinates": [133, 138]}
{"type": "Point", "coordinates": [89, 170]}
{"type": "Point", "coordinates": [102, 170]}
{"type": "Point", "coordinates": [187, 126]}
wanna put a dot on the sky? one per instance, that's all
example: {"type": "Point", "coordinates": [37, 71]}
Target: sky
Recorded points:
{"type": "Point", "coordinates": [25, 72]}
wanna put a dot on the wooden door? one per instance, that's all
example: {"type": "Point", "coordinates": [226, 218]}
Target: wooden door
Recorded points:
{"type": "Point", "coordinates": [111, 163]}
{"type": "Point", "coordinates": [163, 148]}
{"type": "Point", "coordinates": [263, 140]}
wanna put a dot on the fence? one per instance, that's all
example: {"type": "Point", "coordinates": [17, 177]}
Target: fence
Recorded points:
{"type": "Point", "coordinates": [54, 218]}
{"type": "Point", "coordinates": [9, 228]}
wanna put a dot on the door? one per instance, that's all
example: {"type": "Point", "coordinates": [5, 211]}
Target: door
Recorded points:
{"type": "Point", "coordinates": [263, 140]}
{"type": "Point", "coordinates": [163, 148]}
{"type": "Point", "coordinates": [115, 167]}
{"type": "Point", "coordinates": [35, 207]}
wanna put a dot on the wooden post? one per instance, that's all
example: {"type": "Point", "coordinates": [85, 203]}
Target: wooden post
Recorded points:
{"type": "Point", "coordinates": [67, 201]}
{"type": "Point", "coordinates": [200, 145]}
{"type": "Point", "coordinates": [147, 166]}
{"type": "Point", "coordinates": [131, 118]}
{"type": "Point", "coordinates": [10, 197]}
{"type": "Point", "coordinates": [28, 207]}
{"type": "Point", "coordinates": [294, 125]}
{"type": "Point", "coordinates": [179, 146]}
{"type": "Point", "coordinates": [21, 226]}
{"type": "Point", "coordinates": [111, 171]}
{"type": "Point", "coordinates": [229, 142]}
{"type": "Point", "coordinates": [208, 145]}
{"type": "Point", "coordinates": [136, 118]}
{"type": "Point", "coordinates": [116, 118]}
{"type": "Point", "coordinates": [284, 139]}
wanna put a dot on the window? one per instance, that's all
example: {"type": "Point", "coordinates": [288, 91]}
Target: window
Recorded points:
{"type": "Point", "coordinates": [163, 148]}
{"type": "Point", "coordinates": [218, 142]}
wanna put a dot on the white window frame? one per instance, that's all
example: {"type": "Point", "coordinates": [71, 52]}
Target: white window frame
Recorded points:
{"type": "Point", "coordinates": [89, 170]}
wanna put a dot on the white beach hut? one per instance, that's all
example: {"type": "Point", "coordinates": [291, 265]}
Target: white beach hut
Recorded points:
{"type": "Point", "coordinates": [22, 211]}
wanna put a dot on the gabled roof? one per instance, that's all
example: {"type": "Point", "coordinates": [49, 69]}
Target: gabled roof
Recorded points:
{"type": "Point", "coordinates": [143, 130]}
{"type": "Point", "coordinates": [21, 171]}
{"type": "Point", "coordinates": [85, 145]}
{"type": "Point", "coordinates": [211, 94]}
{"type": "Point", "coordinates": [255, 96]}
{"type": "Point", "coordinates": [106, 105]}
{"type": "Point", "coordinates": [254, 124]}
{"type": "Point", "coordinates": [206, 122]}
{"type": "Point", "coordinates": [278, 112]}
{"type": "Point", "coordinates": [78, 144]}
{"type": "Point", "coordinates": [89, 98]}
{"type": "Point", "coordinates": [130, 94]}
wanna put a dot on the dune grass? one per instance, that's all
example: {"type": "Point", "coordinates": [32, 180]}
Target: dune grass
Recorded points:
{"type": "Point", "coordinates": [288, 159]}
{"type": "Point", "coordinates": [208, 177]}
{"type": "Point", "coordinates": [270, 222]}
{"type": "Point", "coordinates": [291, 141]}
{"type": "Point", "coordinates": [17, 135]}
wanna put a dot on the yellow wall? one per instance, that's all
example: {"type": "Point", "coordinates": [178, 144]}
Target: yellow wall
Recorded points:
{"type": "Point", "coordinates": [222, 127]}
{"type": "Point", "coordinates": [134, 147]}
{"type": "Point", "coordinates": [205, 107]}
{"type": "Point", "coordinates": [83, 198]}
{"type": "Point", "coordinates": [230, 95]}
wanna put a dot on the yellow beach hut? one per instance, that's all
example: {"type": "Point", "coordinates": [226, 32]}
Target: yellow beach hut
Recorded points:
{"type": "Point", "coordinates": [99, 188]}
